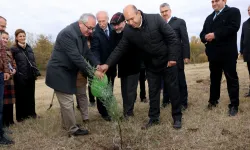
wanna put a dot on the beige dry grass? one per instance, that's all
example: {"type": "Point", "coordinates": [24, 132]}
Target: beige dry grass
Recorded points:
{"type": "Point", "coordinates": [202, 129]}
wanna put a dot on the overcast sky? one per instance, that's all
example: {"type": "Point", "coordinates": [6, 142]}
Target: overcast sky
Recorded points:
{"type": "Point", "coordinates": [50, 16]}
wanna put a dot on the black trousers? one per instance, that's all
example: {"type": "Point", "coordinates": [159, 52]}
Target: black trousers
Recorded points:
{"type": "Point", "coordinates": [101, 108]}
{"type": "Point", "coordinates": [8, 115]}
{"type": "Point", "coordinates": [229, 69]}
{"type": "Point", "coordinates": [129, 86]}
{"type": "Point", "coordinates": [25, 99]}
{"type": "Point", "coordinates": [182, 87]}
{"type": "Point", "coordinates": [170, 77]}
{"type": "Point", "coordinates": [142, 80]}
{"type": "Point", "coordinates": [91, 97]}
{"type": "Point", "coordinates": [248, 67]}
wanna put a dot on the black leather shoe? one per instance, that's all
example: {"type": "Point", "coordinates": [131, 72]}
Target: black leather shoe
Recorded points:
{"type": "Point", "coordinates": [177, 124]}
{"type": "Point", "coordinates": [5, 141]}
{"type": "Point", "coordinates": [233, 111]}
{"type": "Point", "coordinates": [106, 118]}
{"type": "Point", "coordinates": [184, 107]}
{"type": "Point", "coordinates": [150, 123]}
{"type": "Point", "coordinates": [144, 100]}
{"type": "Point", "coordinates": [80, 132]}
{"type": "Point", "coordinates": [164, 105]}
{"type": "Point", "coordinates": [210, 106]}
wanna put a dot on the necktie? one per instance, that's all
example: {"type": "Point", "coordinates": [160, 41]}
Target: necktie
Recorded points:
{"type": "Point", "coordinates": [216, 14]}
{"type": "Point", "coordinates": [107, 33]}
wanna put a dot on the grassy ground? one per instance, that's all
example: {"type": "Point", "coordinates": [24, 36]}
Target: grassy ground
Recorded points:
{"type": "Point", "coordinates": [202, 129]}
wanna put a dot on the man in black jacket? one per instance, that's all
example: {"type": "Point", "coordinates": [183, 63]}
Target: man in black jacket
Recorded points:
{"type": "Point", "coordinates": [101, 47]}
{"type": "Point", "coordinates": [179, 26]}
{"type": "Point", "coordinates": [245, 45]}
{"type": "Point", "coordinates": [219, 34]}
{"type": "Point", "coordinates": [65, 62]}
{"type": "Point", "coordinates": [160, 48]}
{"type": "Point", "coordinates": [128, 66]}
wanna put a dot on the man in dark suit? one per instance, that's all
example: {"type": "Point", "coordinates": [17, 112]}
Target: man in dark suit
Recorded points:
{"type": "Point", "coordinates": [245, 45]}
{"type": "Point", "coordinates": [66, 61]}
{"type": "Point", "coordinates": [159, 46]}
{"type": "Point", "coordinates": [179, 26]}
{"type": "Point", "coordinates": [219, 34]}
{"type": "Point", "coordinates": [101, 47]}
{"type": "Point", "coordinates": [128, 66]}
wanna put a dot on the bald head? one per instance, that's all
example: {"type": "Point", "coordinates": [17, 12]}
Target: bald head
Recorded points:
{"type": "Point", "coordinates": [132, 16]}
{"type": "Point", "coordinates": [102, 18]}
{"type": "Point", "coordinates": [130, 9]}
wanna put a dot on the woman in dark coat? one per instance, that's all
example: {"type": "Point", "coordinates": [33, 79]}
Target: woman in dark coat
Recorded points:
{"type": "Point", "coordinates": [9, 91]}
{"type": "Point", "coordinates": [24, 78]}
{"type": "Point", "coordinates": [245, 45]}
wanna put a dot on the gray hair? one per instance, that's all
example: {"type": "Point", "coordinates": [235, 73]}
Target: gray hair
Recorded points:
{"type": "Point", "coordinates": [85, 17]}
{"type": "Point", "coordinates": [165, 5]}
{"type": "Point", "coordinates": [99, 12]}
{"type": "Point", "coordinates": [1, 17]}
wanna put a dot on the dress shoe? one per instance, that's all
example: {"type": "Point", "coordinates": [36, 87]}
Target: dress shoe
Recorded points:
{"type": "Point", "coordinates": [128, 116]}
{"type": "Point", "coordinates": [184, 107]}
{"type": "Point", "coordinates": [233, 111]}
{"type": "Point", "coordinates": [177, 124]}
{"type": "Point", "coordinates": [164, 105]}
{"type": "Point", "coordinates": [150, 123]}
{"type": "Point", "coordinates": [144, 100]}
{"type": "Point", "coordinates": [85, 120]}
{"type": "Point", "coordinates": [80, 132]}
{"type": "Point", "coordinates": [5, 141]}
{"type": "Point", "coordinates": [106, 118]}
{"type": "Point", "coordinates": [210, 106]}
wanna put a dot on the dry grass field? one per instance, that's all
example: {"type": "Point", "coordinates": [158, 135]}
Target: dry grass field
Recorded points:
{"type": "Point", "coordinates": [202, 129]}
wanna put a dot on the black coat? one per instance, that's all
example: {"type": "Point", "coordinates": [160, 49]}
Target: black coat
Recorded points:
{"type": "Point", "coordinates": [24, 70]}
{"type": "Point", "coordinates": [156, 39]}
{"type": "Point", "coordinates": [225, 27]}
{"type": "Point", "coordinates": [179, 26]}
{"type": "Point", "coordinates": [130, 62]}
{"type": "Point", "coordinates": [101, 46]}
{"type": "Point", "coordinates": [67, 59]}
{"type": "Point", "coordinates": [245, 41]}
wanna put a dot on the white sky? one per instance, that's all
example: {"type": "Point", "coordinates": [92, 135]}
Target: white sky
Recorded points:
{"type": "Point", "coordinates": [50, 16]}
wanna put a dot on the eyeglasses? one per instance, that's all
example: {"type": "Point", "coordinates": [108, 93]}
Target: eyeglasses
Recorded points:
{"type": "Point", "coordinates": [89, 28]}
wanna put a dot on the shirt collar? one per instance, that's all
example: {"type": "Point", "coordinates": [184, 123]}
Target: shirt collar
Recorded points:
{"type": "Point", "coordinates": [220, 10]}
{"type": "Point", "coordinates": [169, 19]}
{"type": "Point", "coordinates": [140, 23]}
{"type": "Point", "coordinates": [106, 29]}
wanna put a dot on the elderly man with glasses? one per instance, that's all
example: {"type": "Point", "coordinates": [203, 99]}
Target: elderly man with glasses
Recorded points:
{"type": "Point", "coordinates": [66, 61]}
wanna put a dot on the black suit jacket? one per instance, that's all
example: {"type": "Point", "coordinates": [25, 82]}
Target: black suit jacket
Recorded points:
{"type": "Point", "coordinates": [67, 59]}
{"type": "Point", "coordinates": [156, 40]}
{"type": "Point", "coordinates": [130, 62]}
{"type": "Point", "coordinates": [179, 26]}
{"type": "Point", "coordinates": [101, 46]}
{"type": "Point", "coordinates": [245, 41]}
{"type": "Point", "coordinates": [225, 27]}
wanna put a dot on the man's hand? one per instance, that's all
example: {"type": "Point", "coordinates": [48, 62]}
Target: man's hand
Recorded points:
{"type": "Point", "coordinates": [13, 71]}
{"type": "Point", "coordinates": [186, 60]}
{"type": "Point", "coordinates": [104, 68]}
{"type": "Point", "coordinates": [99, 68]}
{"type": "Point", "coordinates": [209, 37]}
{"type": "Point", "coordinates": [99, 74]}
{"type": "Point", "coordinates": [171, 63]}
{"type": "Point", "coordinates": [6, 76]}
